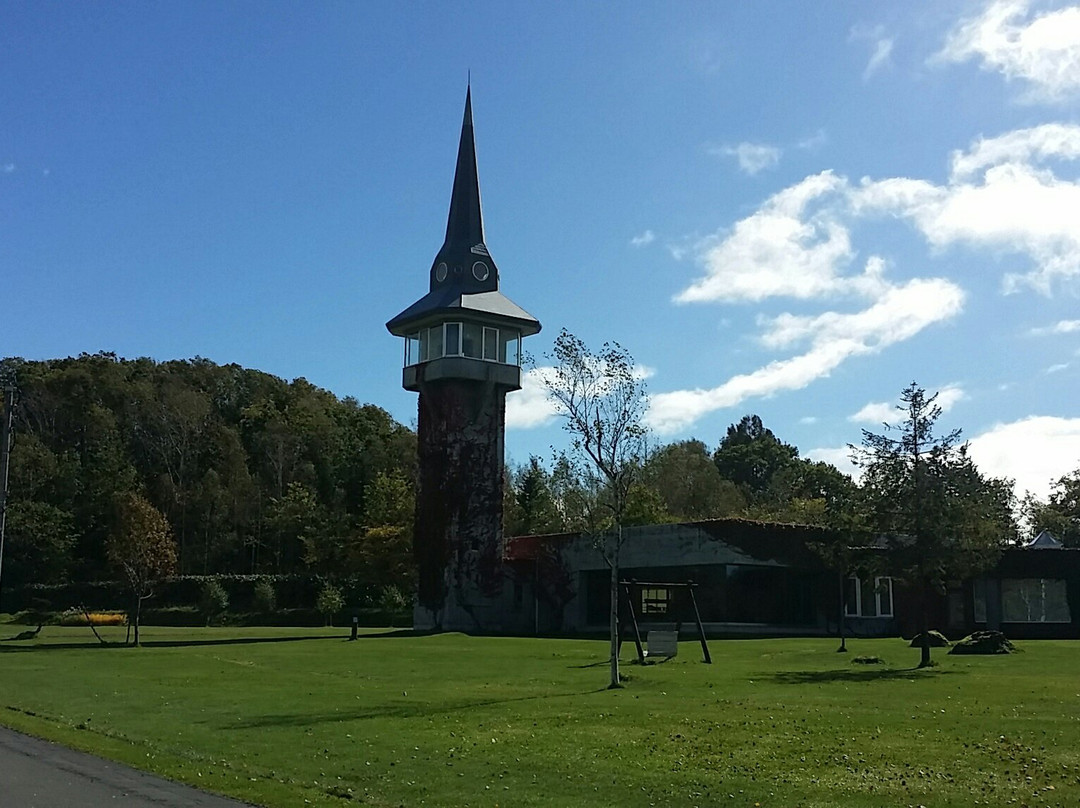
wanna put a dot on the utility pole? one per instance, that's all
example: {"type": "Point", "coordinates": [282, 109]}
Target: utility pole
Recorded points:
{"type": "Point", "coordinates": [5, 461]}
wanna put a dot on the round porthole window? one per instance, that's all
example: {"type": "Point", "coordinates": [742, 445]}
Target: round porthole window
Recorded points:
{"type": "Point", "coordinates": [480, 271]}
{"type": "Point", "coordinates": [440, 273]}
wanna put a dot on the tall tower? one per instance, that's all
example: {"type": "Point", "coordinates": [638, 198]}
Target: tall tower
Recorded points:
{"type": "Point", "coordinates": [462, 355]}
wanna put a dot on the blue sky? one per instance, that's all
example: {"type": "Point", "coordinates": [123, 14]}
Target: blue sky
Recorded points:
{"type": "Point", "coordinates": [792, 209]}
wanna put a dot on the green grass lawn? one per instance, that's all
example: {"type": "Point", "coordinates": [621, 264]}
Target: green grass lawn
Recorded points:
{"type": "Point", "coordinates": [286, 717]}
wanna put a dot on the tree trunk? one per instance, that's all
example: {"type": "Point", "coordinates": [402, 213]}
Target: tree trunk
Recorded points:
{"type": "Point", "coordinates": [614, 626]}
{"type": "Point", "coordinates": [138, 614]}
{"type": "Point", "coordinates": [924, 628]}
{"type": "Point", "coordinates": [843, 614]}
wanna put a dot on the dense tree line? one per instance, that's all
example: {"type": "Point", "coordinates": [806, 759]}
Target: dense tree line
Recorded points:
{"type": "Point", "coordinates": [253, 473]}
{"type": "Point", "coordinates": [258, 475]}
{"type": "Point", "coordinates": [751, 474]}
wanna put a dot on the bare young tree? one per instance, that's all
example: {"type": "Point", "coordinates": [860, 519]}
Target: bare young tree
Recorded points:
{"type": "Point", "coordinates": [602, 400]}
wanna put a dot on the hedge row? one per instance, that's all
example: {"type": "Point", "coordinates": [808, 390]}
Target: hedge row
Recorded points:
{"type": "Point", "coordinates": [292, 592]}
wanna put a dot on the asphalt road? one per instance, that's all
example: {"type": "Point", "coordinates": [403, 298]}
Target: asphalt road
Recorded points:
{"type": "Point", "coordinates": [40, 774]}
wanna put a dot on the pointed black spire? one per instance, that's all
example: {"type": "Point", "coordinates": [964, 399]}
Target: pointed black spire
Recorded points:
{"type": "Point", "coordinates": [465, 225]}
{"type": "Point", "coordinates": [463, 276]}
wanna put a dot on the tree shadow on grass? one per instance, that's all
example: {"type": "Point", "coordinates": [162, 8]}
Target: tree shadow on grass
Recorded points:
{"type": "Point", "coordinates": [846, 675]}
{"type": "Point", "coordinates": [415, 710]}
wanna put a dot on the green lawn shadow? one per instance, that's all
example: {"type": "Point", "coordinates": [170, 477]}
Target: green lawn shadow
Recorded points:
{"type": "Point", "coordinates": [867, 674]}
{"type": "Point", "coordinates": [421, 710]}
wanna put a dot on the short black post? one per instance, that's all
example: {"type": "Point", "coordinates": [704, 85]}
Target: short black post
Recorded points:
{"type": "Point", "coordinates": [355, 626]}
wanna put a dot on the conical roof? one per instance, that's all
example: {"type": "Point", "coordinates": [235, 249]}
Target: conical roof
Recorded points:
{"type": "Point", "coordinates": [463, 276]}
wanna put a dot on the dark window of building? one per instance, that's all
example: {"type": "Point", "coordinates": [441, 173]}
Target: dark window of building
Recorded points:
{"type": "Point", "coordinates": [1035, 600]}
{"type": "Point", "coordinates": [472, 340]}
{"type": "Point", "coordinates": [453, 340]}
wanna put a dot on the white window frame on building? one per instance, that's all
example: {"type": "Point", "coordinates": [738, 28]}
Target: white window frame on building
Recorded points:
{"type": "Point", "coordinates": [872, 599]}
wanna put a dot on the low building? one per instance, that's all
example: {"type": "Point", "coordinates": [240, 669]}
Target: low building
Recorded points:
{"type": "Point", "coordinates": [762, 579]}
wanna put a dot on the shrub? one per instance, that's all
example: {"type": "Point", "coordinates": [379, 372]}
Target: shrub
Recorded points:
{"type": "Point", "coordinates": [393, 601]}
{"type": "Point", "coordinates": [265, 597]}
{"type": "Point", "coordinates": [329, 602]}
{"type": "Point", "coordinates": [213, 599]}
{"type": "Point", "coordinates": [79, 618]}
{"type": "Point", "coordinates": [937, 640]}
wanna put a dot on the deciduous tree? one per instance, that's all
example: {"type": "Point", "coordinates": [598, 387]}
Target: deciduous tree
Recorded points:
{"type": "Point", "coordinates": [141, 546]}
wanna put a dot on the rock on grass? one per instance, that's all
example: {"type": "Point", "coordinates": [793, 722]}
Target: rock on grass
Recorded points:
{"type": "Point", "coordinates": [984, 642]}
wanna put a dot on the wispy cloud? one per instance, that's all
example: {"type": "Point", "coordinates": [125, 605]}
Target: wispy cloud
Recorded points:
{"type": "Point", "coordinates": [1057, 368]}
{"type": "Point", "coordinates": [881, 48]}
{"type": "Point", "coordinates": [1060, 327]}
{"type": "Point", "coordinates": [815, 141]}
{"type": "Point", "coordinates": [1041, 50]}
{"type": "Point", "coordinates": [752, 157]}
{"type": "Point", "coordinates": [808, 420]}
{"type": "Point", "coordinates": [648, 237]}
{"type": "Point", "coordinates": [8, 168]}
{"type": "Point", "coordinates": [901, 312]}
{"type": "Point", "coordinates": [876, 412]}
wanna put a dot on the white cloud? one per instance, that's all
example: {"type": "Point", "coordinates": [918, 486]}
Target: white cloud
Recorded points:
{"type": "Point", "coordinates": [648, 237]}
{"type": "Point", "coordinates": [808, 419]}
{"type": "Point", "coordinates": [949, 396]}
{"type": "Point", "coordinates": [1034, 451]}
{"type": "Point", "coordinates": [529, 407]}
{"type": "Point", "coordinates": [1042, 50]}
{"type": "Point", "coordinates": [1057, 368]}
{"type": "Point", "coordinates": [752, 157]}
{"type": "Point", "coordinates": [1001, 196]}
{"type": "Point", "coordinates": [839, 456]}
{"type": "Point", "coordinates": [1036, 144]}
{"type": "Point", "coordinates": [784, 249]}
{"type": "Point", "coordinates": [1060, 327]}
{"type": "Point", "coordinates": [8, 168]}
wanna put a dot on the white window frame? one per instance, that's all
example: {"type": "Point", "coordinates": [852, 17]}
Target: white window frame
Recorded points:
{"type": "Point", "coordinates": [882, 583]}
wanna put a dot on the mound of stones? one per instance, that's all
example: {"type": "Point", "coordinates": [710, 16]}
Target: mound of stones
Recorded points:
{"type": "Point", "coordinates": [937, 640]}
{"type": "Point", "coordinates": [984, 642]}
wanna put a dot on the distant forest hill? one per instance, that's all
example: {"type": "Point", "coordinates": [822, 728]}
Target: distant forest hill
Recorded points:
{"type": "Point", "coordinates": [254, 474]}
